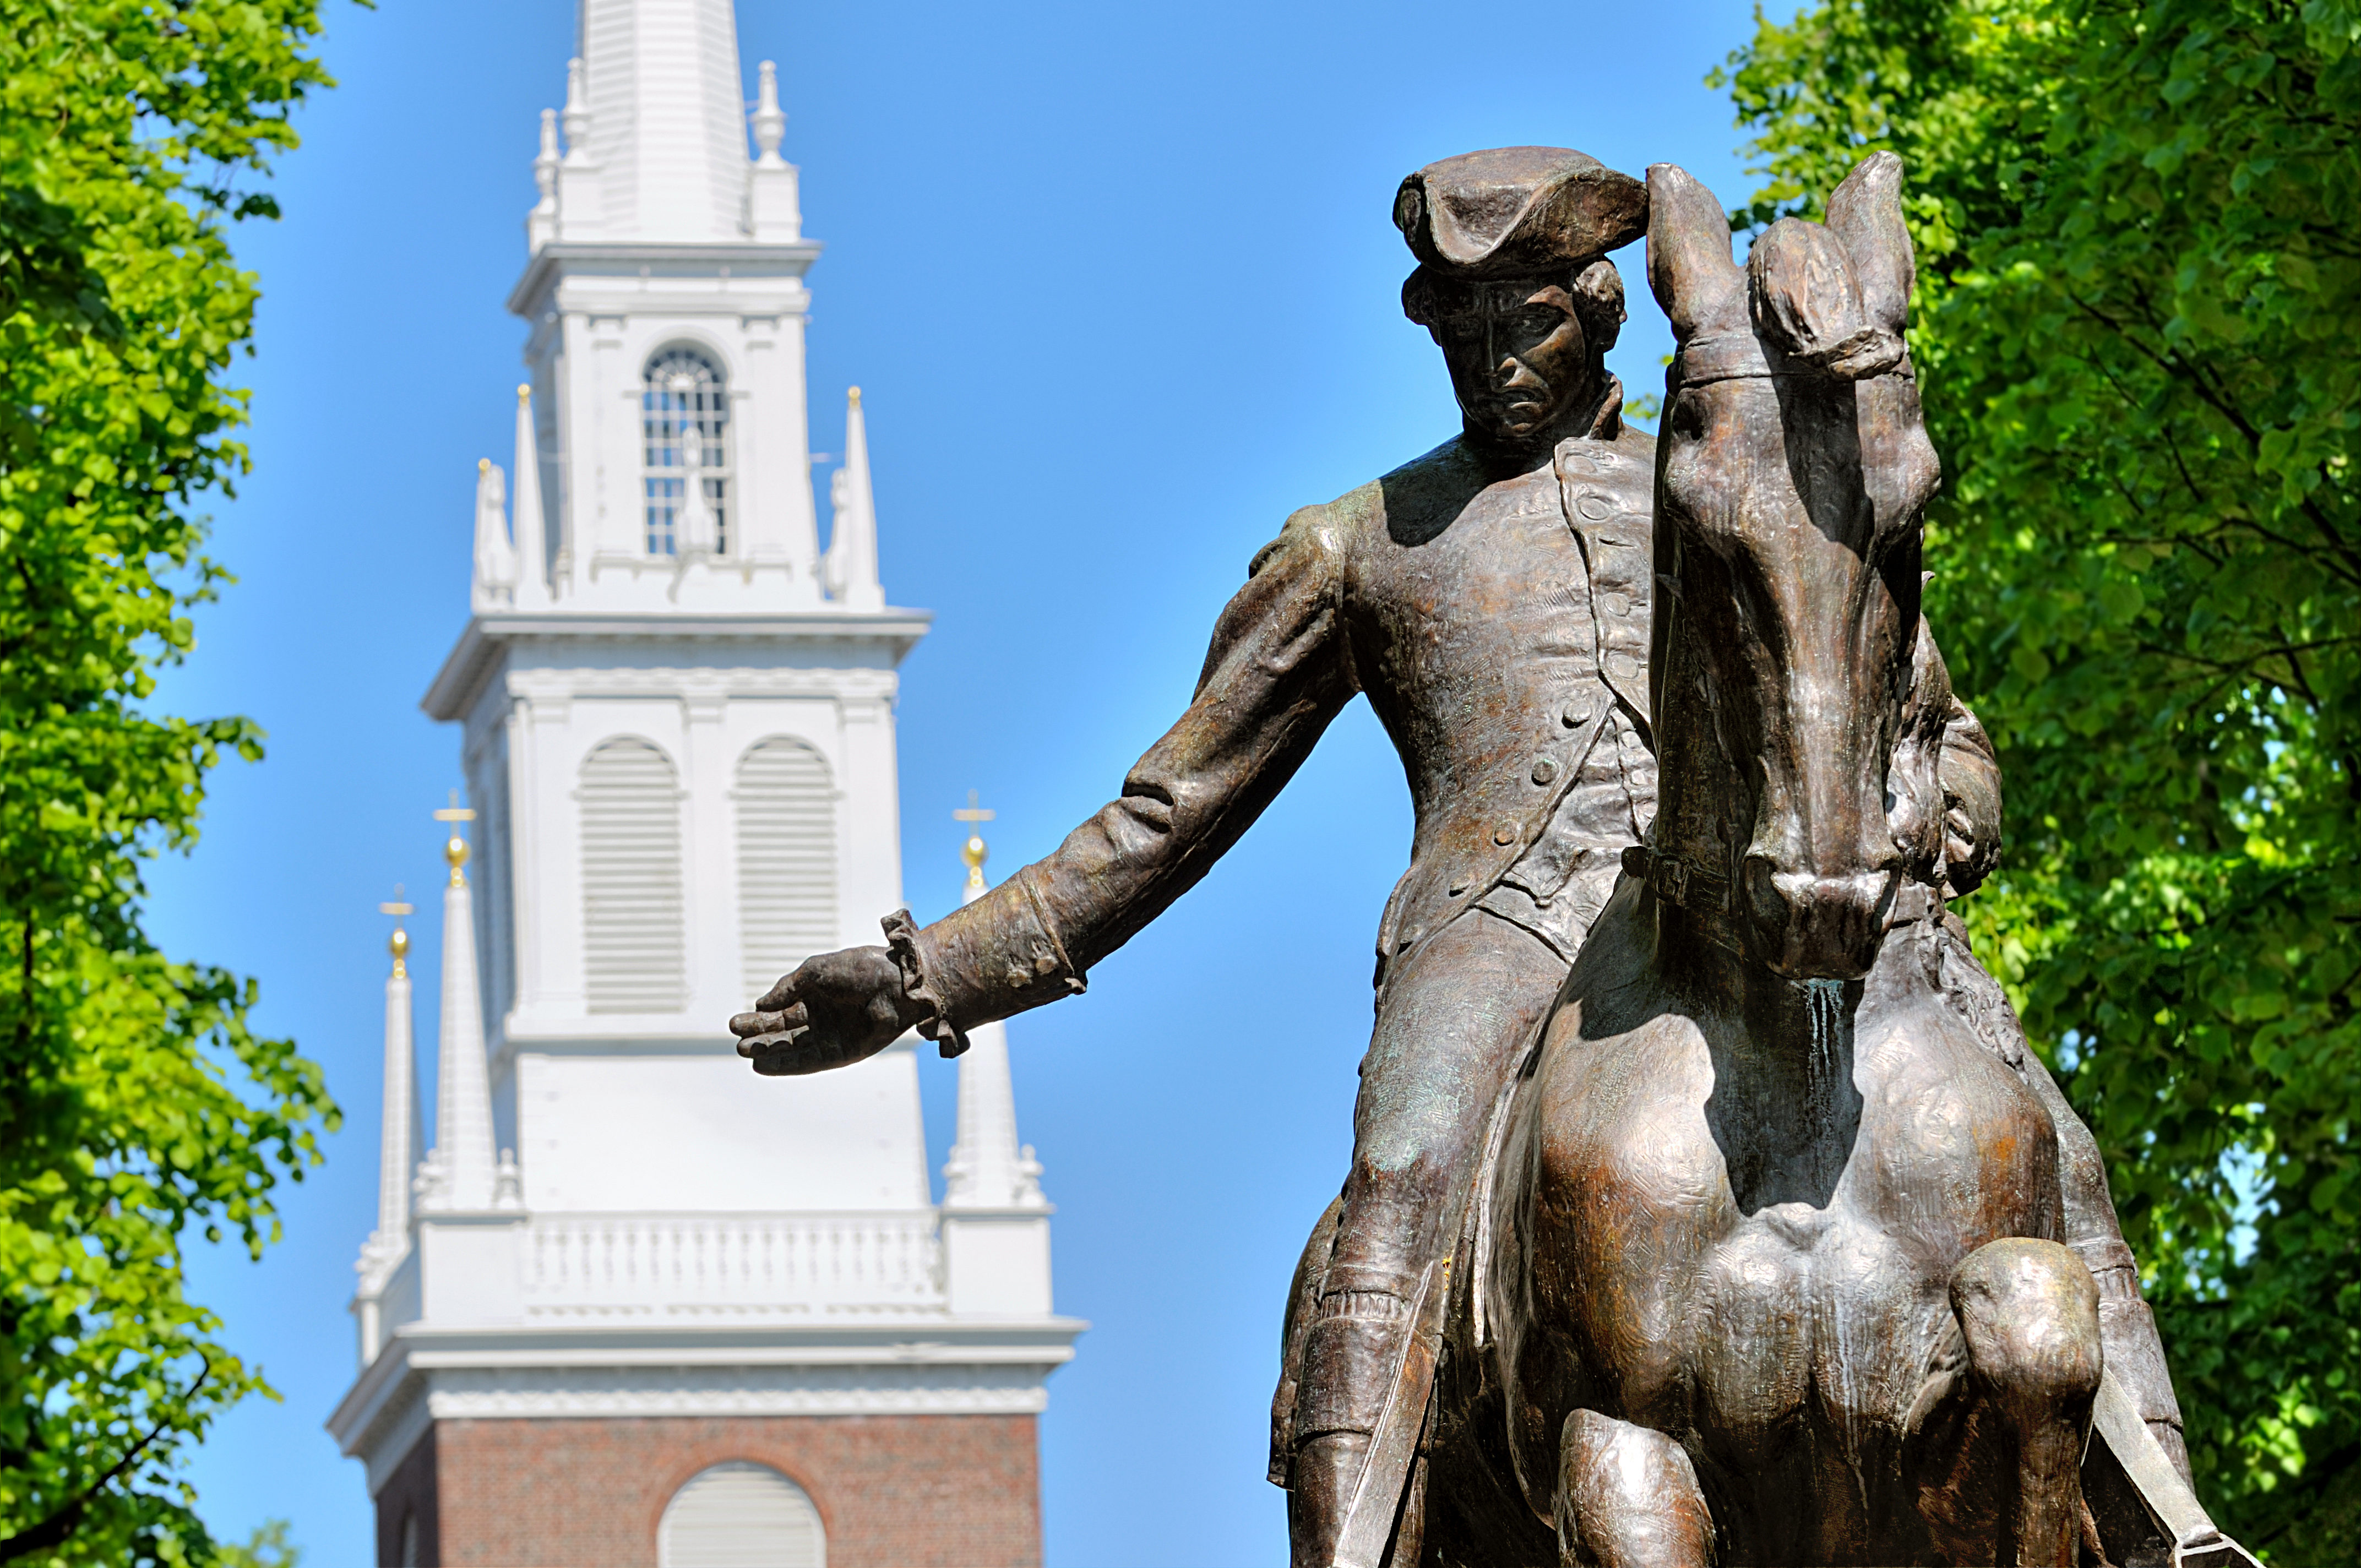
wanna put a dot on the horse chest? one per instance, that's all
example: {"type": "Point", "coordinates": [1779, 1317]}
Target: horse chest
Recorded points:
{"type": "Point", "coordinates": [1826, 1314]}
{"type": "Point", "coordinates": [1782, 1244]}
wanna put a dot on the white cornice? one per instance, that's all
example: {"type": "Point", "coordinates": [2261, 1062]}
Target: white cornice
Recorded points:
{"type": "Point", "coordinates": [471, 660]}
{"type": "Point", "coordinates": [679, 257]}
{"type": "Point", "coordinates": [920, 1366]}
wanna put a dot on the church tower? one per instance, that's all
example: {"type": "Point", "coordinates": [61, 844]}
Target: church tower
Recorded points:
{"type": "Point", "coordinates": [635, 1305]}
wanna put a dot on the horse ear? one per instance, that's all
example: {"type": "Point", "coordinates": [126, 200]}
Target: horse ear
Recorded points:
{"type": "Point", "coordinates": [1865, 211]}
{"type": "Point", "coordinates": [1689, 269]}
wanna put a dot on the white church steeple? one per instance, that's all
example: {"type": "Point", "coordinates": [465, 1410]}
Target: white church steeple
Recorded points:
{"type": "Point", "coordinates": [676, 723]}
{"type": "Point", "coordinates": [665, 290]}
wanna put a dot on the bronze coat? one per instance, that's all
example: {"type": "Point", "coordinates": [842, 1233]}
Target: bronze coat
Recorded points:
{"type": "Point", "coordinates": [1500, 630]}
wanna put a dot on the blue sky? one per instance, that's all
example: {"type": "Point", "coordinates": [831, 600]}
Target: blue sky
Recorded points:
{"type": "Point", "coordinates": [1120, 289]}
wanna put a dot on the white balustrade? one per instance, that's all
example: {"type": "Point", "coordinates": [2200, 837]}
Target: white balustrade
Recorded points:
{"type": "Point", "coordinates": [692, 1266]}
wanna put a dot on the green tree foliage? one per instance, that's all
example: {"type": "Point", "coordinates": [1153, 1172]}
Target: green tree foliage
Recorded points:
{"type": "Point", "coordinates": [137, 1108]}
{"type": "Point", "coordinates": [2140, 289]}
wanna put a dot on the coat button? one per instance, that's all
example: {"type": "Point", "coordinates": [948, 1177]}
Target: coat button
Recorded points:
{"type": "Point", "coordinates": [1504, 836]}
{"type": "Point", "coordinates": [1576, 712]}
{"type": "Point", "coordinates": [1544, 770]}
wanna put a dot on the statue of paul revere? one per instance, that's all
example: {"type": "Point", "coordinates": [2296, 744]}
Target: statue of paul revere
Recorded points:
{"type": "Point", "coordinates": [1491, 600]}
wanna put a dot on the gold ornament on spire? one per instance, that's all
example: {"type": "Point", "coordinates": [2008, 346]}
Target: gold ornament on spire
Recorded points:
{"type": "Point", "coordinates": [525, 391]}
{"type": "Point", "coordinates": [456, 851]}
{"type": "Point", "coordinates": [400, 945]}
{"type": "Point", "coordinates": [852, 399]}
{"type": "Point", "coordinates": [974, 850]}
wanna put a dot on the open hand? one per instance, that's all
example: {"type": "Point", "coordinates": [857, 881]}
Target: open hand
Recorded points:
{"type": "Point", "coordinates": [836, 1008]}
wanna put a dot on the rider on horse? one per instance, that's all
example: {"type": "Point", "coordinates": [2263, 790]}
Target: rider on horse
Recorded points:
{"type": "Point", "coordinates": [1492, 600]}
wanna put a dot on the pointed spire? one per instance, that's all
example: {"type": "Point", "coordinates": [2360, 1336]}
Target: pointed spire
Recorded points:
{"type": "Point", "coordinates": [541, 226]}
{"type": "Point", "coordinates": [666, 121]}
{"type": "Point", "coordinates": [464, 1175]}
{"type": "Point", "coordinates": [988, 1168]}
{"type": "Point", "coordinates": [495, 561]}
{"type": "Point", "coordinates": [532, 553]}
{"type": "Point", "coordinates": [398, 1147]}
{"type": "Point", "coordinates": [852, 565]}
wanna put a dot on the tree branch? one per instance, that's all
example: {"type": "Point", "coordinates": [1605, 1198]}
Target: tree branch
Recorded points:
{"type": "Point", "coordinates": [60, 1524]}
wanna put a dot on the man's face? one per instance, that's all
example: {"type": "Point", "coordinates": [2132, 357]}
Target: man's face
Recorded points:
{"type": "Point", "coordinates": [1516, 355]}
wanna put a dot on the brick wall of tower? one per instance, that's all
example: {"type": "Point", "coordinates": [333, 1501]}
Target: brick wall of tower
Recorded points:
{"type": "Point", "coordinates": [893, 1491]}
{"type": "Point", "coordinates": [405, 1506]}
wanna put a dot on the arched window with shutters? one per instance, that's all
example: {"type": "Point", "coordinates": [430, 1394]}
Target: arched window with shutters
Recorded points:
{"type": "Point", "coordinates": [633, 947]}
{"type": "Point", "coordinates": [685, 433]}
{"type": "Point", "coordinates": [787, 858]}
{"type": "Point", "coordinates": [740, 1516]}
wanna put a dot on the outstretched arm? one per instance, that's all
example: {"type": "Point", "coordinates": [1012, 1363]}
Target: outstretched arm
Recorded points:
{"type": "Point", "coordinates": [1277, 672]}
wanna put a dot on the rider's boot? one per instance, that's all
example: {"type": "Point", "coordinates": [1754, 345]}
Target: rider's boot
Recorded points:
{"type": "Point", "coordinates": [1349, 1362]}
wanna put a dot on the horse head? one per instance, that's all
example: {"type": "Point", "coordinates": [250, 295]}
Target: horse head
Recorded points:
{"type": "Point", "coordinates": [1798, 742]}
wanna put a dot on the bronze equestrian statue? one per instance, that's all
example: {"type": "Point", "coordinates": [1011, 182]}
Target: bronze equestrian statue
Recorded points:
{"type": "Point", "coordinates": [1780, 1254]}
{"type": "Point", "coordinates": [1491, 599]}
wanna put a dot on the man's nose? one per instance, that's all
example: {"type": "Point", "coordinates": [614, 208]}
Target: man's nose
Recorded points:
{"type": "Point", "coordinates": [1512, 373]}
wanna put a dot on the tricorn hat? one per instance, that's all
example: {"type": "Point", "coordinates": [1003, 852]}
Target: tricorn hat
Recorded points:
{"type": "Point", "coordinates": [1518, 212]}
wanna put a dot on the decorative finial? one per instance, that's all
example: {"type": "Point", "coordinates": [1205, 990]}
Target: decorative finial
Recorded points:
{"type": "Point", "coordinates": [456, 851]}
{"type": "Point", "coordinates": [578, 115]}
{"type": "Point", "coordinates": [401, 942]}
{"type": "Point", "coordinates": [770, 125]}
{"type": "Point", "coordinates": [525, 391]}
{"type": "Point", "coordinates": [974, 850]}
{"type": "Point", "coordinates": [852, 396]}
{"type": "Point", "coordinates": [483, 464]}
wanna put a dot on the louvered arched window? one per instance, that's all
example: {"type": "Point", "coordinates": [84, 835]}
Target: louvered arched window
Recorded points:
{"type": "Point", "coordinates": [740, 1516]}
{"type": "Point", "coordinates": [787, 858]}
{"type": "Point", "coordinates": [632, 942]}
{"type": "Point", "coordinates": [684, 432]}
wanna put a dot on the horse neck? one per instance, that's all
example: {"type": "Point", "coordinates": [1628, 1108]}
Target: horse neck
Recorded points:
{"type": "Point", "coordinates": [1705, 801]}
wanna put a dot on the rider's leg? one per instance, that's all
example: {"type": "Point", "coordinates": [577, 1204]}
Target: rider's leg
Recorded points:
{"type": "Point", "coordinates": [2029, 1320]}
{"type": "Point", "coordinates": [1450, 1024]}
{"type": "Point", "coordinates": [1628, 1497]}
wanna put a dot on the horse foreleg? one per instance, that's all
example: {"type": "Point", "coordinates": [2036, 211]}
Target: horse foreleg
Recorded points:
{"type": "Point", "coordinates": [1628, 1497]}
{"type": "Point", "coordinates": [2018, 1387]}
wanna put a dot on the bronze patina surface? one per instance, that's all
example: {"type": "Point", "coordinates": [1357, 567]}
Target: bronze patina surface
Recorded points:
{"type": "Point", "coordinates": [1780, 1248]}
